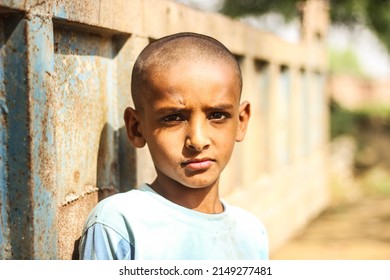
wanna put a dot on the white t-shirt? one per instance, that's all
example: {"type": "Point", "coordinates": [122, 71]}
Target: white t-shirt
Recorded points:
{"type": "Point", "coordinates": [141, 224]}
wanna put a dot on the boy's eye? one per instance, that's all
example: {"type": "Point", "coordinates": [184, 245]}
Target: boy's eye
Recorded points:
{"type": "Point", "coordinates": [172, 118]}
{"type": "Point", "coordinates": [218, 116]}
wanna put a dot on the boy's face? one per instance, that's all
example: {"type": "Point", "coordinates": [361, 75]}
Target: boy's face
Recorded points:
{"type": "Point", "coordinates": [191, 118]}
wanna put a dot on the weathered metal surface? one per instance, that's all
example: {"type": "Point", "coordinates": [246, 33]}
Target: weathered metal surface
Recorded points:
{"type": "Point", "coordinates": [17, 160]}
{"type": "Point", "coordinates": [59, 138]}
{"type": "Point", "coordinates": [30, 183]}
{"type": "Point", "coordinates": [88, 124]}
{"type": "Point", "coordinates": [41, 97]}
{"type": "Point", "coordinates": [4, 230]}
{"type": "Point", "coordinates": [71, 218]}
{"type": "Point", "coordinates": [84, 70]}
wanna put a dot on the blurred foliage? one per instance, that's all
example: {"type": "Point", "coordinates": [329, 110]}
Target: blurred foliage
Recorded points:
{"type": "Point", "coordinates": [342, 121]}
{"type": "Point", "coordinates": [376, 182]}
{"type": "Point", "coordinates": [345, 62]}
{"type": "Point", "coordinates": [239, 8]}
{"type": "Point", "coordinates": [377, 113]}
{"type": "Point", "coordinates": [352, 122]}
{"type": "Point", "coordinates": [378, 18]}
{"type": "Point", "coordinates": [373, 14]}
{"type": "Point", "coordinates": [370, 129]}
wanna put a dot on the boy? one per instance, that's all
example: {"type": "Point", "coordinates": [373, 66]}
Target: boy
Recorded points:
{"type": "Point", "coordinates": [186, 90]}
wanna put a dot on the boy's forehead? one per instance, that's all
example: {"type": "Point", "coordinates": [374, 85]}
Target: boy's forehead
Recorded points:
{"type": "Point", "coordinates": [178, 78]}
{"type": "Point", "coordinates": [166, 53]}
{"type": "Point", "coordinates": [166, 77]}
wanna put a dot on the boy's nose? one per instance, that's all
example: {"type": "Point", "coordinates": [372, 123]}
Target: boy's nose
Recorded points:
{"type": "Point", "coordinates": [197, 138]}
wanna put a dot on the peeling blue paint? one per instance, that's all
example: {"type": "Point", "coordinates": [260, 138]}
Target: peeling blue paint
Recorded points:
{"type": "Point", "coordinates": [41, 63]}
{"type": "Point", "coordinates": [4, 233]}
{"type": "Point", "coordinates": [18, 135]}
{"type": "Point", "coordinates": [60, 12]}
{"type": "Point", "coordinates": [34, 95]}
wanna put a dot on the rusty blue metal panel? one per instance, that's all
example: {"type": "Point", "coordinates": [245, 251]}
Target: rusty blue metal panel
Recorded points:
{"type": "Point", "coordinates": [4, 231]}
{"type": "Point", "coordinates": [86, 77]}
{"type": "Point", "coordinates": [15, 79]}
{"type": "Point", "coordinates": [28, 205]}
{"type": "Point", "coordinates": [41, 95]}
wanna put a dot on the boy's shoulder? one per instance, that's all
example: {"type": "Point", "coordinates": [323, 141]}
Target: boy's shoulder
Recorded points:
{"type": "Point", "coordinates": [117, 201]}
{"type": "Point", "coordinates": [143, 205]}
{"type": "Point", "coordinates": [113, 209]}
{"type": "Point", "coordinates": [244, 217]}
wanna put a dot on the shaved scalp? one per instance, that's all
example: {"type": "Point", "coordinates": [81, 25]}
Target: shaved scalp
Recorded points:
{"type": "Point", "coordinates": [164, 52]}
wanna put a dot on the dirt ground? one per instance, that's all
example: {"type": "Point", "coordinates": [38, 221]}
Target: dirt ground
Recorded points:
{"type": "Point", "coordinates": [360, 230]}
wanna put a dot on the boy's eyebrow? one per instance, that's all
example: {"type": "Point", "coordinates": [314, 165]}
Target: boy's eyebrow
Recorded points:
{"type": "Point", "coordinates": [226, 106]}
{"type": "Point", "coordinates": [171, 109]}
{"type": "Point", "coordinates": [177, 109]}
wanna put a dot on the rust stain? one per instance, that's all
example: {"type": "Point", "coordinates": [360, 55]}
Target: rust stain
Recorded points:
{"type": "Point", "coordinates": [84, 65]}
{"type": "Point", "coordinates": [71, 218]}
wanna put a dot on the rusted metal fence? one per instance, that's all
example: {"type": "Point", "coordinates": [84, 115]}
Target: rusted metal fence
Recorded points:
{"type": "Point", "coordinates": [65, 81]}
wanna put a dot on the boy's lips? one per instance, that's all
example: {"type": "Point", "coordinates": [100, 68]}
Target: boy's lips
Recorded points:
{"type": "Point", "coordinates": [198, 164]}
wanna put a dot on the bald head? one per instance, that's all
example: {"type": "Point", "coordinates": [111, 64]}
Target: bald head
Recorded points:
{"type": "Point", "coordinates": [167, 51]}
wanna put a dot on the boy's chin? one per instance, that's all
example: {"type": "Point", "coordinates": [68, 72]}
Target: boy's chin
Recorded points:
{"type": "Point", "coordinates": [200, 184]}
{"type": "Point", "coordinates": [199, 180]}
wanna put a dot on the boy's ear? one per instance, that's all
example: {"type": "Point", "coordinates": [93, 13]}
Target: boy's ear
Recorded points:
{"type": "Point", "coordinates": [133, 127]}
{"type": "Point", "coordinates": [243, 119]}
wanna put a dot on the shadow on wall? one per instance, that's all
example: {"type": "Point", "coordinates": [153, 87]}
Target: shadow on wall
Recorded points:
{"type": "Point", "coordinates": [116, 162]}
{"type": "Point", "coordinates": [116, 172]}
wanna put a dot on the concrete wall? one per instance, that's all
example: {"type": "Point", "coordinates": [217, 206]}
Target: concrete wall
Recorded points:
{"type": "Point", "coordinates": [64, 84]}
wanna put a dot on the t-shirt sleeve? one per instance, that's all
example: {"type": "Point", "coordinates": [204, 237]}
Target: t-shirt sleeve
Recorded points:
{"type": "Point", "coordinates": [100, 242]}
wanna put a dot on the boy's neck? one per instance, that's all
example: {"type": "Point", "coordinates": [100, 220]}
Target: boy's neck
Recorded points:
{"type": "Point", "coordinates": [205, 200]}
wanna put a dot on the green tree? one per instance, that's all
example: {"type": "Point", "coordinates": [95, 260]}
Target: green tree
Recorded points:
{"type": "Point", "coordinates": [373, 14]}
{"type": "Point", "coordinates": [345, 62]}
